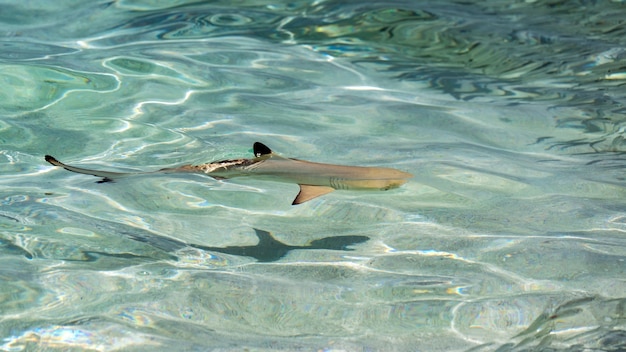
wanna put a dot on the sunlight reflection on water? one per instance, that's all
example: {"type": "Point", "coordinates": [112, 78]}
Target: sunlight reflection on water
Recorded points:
{"type": "Point", "coordinates": [509, 237]}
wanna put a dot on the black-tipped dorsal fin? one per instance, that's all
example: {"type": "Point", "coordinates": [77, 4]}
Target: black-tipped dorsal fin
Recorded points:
{"type": "Point", "coordinates": [261, 149]}
{"type": "Point", "coordinates": [308, 192]}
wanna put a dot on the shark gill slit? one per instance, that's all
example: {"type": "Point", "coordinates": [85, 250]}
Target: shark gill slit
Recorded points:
{"type": "Point", "coordinates": [337, 183]}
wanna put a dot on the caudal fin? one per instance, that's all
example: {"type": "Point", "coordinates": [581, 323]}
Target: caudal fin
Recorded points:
{"type": "Point", "coordinates": [107, 176]}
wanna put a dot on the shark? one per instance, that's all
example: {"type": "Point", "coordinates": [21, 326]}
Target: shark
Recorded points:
{"type": "Point", "coordinates": [314, 179]}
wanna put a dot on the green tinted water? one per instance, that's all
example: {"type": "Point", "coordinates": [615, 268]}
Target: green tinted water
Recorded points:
{"type": "Point", "coordinates": [509, 237]}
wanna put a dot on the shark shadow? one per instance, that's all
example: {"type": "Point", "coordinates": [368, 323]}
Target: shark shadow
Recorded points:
{"type": "Point", "coordinates": [268, 249]}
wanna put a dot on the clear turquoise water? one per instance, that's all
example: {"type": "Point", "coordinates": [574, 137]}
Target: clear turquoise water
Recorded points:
{"type": "Point", "coordinates": [510, 237]}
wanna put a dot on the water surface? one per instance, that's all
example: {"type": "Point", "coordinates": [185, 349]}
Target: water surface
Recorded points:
{"type": "Point", "coordinates": [509, 237]}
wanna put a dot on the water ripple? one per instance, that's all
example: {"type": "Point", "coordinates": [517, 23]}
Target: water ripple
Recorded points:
{"type": "Point", "coordinates": [509, 237]}
{"type": "Point", "coordinates": [40, 87]}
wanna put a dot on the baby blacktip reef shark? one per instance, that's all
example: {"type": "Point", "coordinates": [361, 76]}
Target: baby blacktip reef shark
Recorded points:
{"type": "Point", "coordinates": [314, 179]}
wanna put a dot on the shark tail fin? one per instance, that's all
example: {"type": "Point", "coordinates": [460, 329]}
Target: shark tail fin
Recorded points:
{"type": "Point", "coordinates": [107, 176]}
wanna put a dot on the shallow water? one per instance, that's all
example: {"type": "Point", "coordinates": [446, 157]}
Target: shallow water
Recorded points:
{"type": "Point", "coordinates": [509, 237]}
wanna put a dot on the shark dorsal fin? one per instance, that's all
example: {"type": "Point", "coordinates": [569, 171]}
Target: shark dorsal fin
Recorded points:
{"type": "Point", "coordinates": [308, 192]}
{"type": "Point", "coordinates": [266, 240]}
{"type": "Point", "coordinates": [261, 149]}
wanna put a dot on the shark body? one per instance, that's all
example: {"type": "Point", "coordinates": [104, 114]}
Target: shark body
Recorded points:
{"type": "Point", "coordinates": [314, 179]}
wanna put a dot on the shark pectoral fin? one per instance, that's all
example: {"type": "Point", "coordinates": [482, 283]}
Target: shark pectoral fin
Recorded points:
{"type": "Point", "coordinates": [308, 192]}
